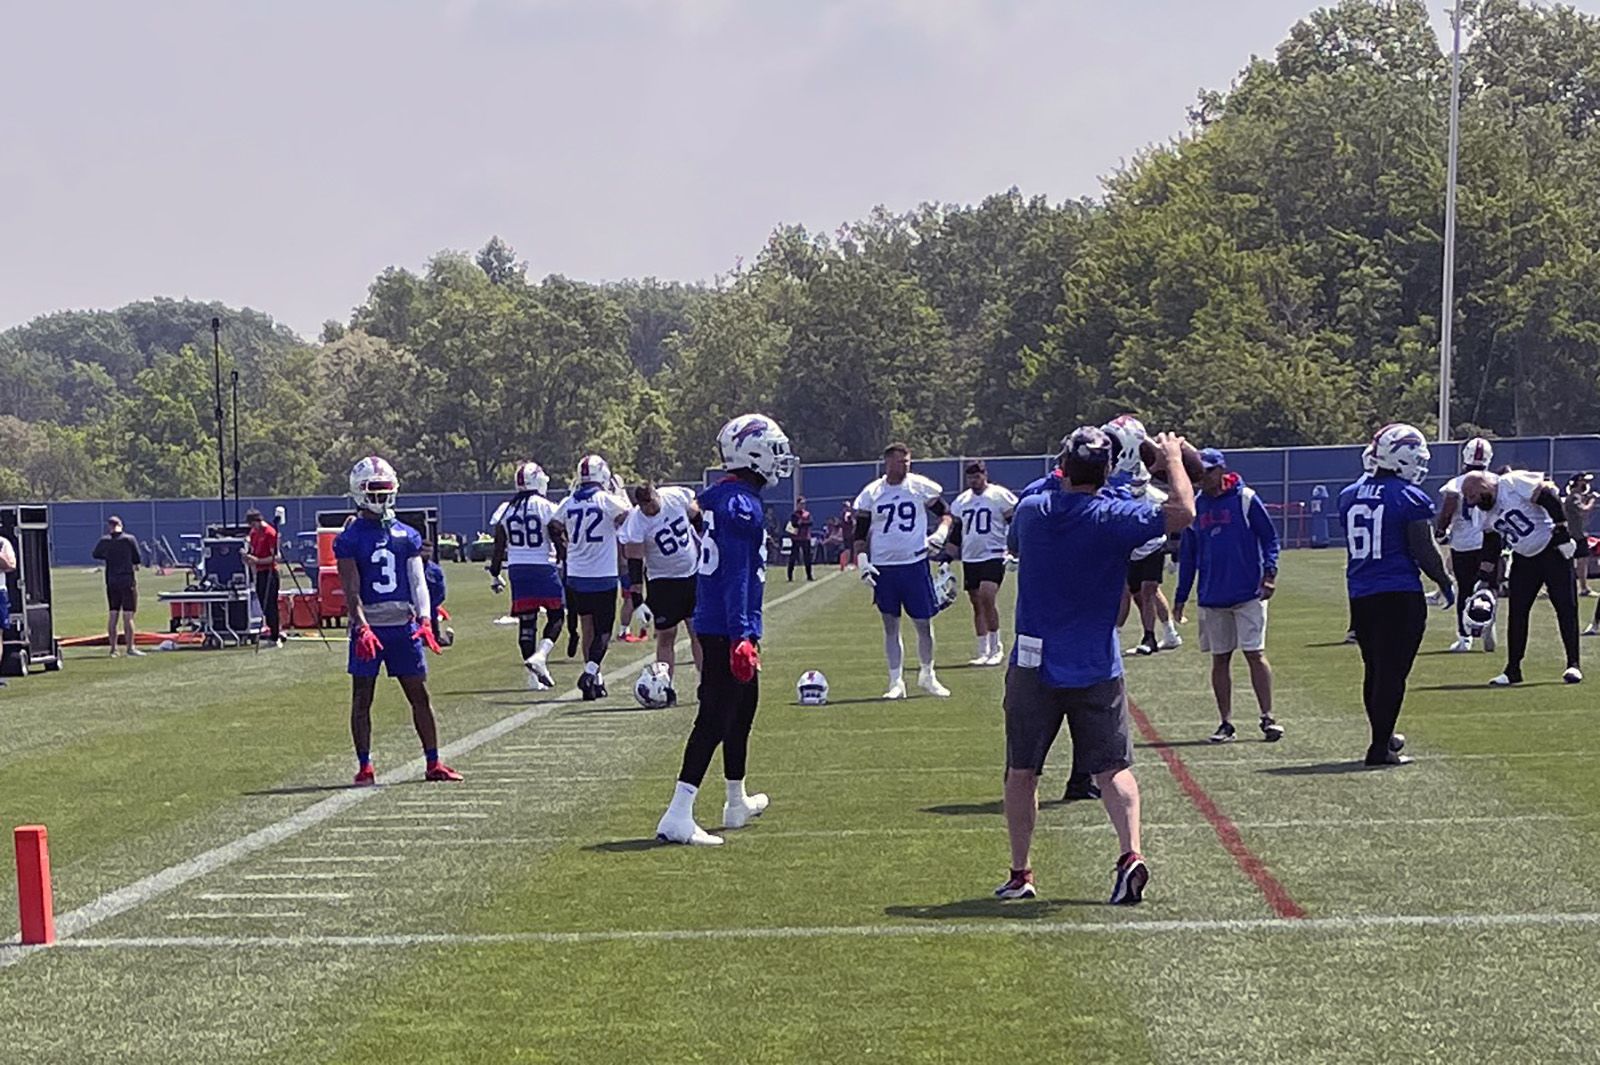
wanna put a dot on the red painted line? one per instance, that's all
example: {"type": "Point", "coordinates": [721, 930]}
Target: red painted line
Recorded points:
{"type": "Point", "coordinates": [1277, 895]}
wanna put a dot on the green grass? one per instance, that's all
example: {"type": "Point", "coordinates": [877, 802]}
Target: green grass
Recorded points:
{"type": "Point", "coordinates": [884, 817]}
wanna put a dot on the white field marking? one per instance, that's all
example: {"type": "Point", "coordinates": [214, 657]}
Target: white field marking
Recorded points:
{"type": "Point", "coordinates": [351, 875]}
{"type": "Point", "coordinates": [317, 860]}
{"type": "Point", "coordinates": [446, 804]}
{"type": "Point", "coordinates": [275, 896]}
{"type": "Point", "coordinates": [420, 815]}
{"type": "Point", "coordinates": [439, 841]}
{"type": "Point", "coordinates": [120, 900]}
{"type": "Point", "coordinates": [366, 830]}
{"type": "Point", "coordinates": [212, 915]}
{"type": "Point", "coordinates": [1024, 929]}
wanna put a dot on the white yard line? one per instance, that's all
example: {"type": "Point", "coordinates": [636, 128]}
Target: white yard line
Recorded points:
{"type": "Point", "coordinates": [275, 896]}
{"type": "Point", "coordinates": [213, 915]}
{"type": "Point", "coordinates": [420, 815]}
{"type": "Point", "coordinates": [343, 858]}
{"type": "Point", "coordinates": [1024, 929]}
{"type": "Point", "coordinates": [351, 875]}
{"type": "Point", "coordinates": [123, 899]}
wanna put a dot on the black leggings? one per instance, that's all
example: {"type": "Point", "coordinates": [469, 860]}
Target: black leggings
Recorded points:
{"type": "Point", "coordinates": [267, 596]}
{"type": "Point", "coordinates": [800, 550]}
{"type": "Point", "coordinates": [1529, 573]}
{"type": "Point", "coordinates": [528, 633]}
{"type": "Point", "coordinates": [1389, 627]}
{"type": "Point", "coordinates": [727, 713]}
{"type": "Point", "coordinates": [1465, 565]}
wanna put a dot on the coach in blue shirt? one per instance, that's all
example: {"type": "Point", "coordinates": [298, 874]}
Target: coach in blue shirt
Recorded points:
{"type": "Point", "coordinates": [1234, 546]}
{"type": "Point", "coordinates": [1073, 545]}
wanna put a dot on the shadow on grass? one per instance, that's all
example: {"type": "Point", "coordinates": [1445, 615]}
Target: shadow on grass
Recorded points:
{"type": "Point", "coordinates": [319, 789]}
{"type": "Point", "coordinates": [1330, 643]}
{"type": "Point", "coordinates": [1481, 687]}
{"type": "Point", "coordinates": [1010, 910]}
{"type": "Point", "coordinates": [484, 691]}
{"type": "Point", "coordinates": [966, 809]}
{"type": "Point", "coordinates": [1159, 744]}
{"type": "Point", "coordinates": [627, 846]}
{"type": "Point", "coordinates": [1319, 769]}
{"type": "Point", "coordinates": [620, 708]}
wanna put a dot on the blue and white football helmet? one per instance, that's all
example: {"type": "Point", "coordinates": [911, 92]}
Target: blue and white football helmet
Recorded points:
{"type": "Point", "coordinates": [532, 478]}
{"type": "Point", "coordinates": [812, 689]}
{"type": "Point", "coordinates": [756, 442]}
{"type": "Point", "coordinates": [374, 486]}
{"type": "Point", "coordinates": [594, 470]}
{"type": "Point", "coordinates": [1127, 433]}
{"type": "Point", "coordinates": [1402, 449]}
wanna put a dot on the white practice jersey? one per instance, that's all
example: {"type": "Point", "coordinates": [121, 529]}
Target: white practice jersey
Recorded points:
{"type": "Point", "coordinates": [591, 523]}
{"type": "Point", "coordinates": [984, 518]}
{"type": "Point", "coordinates": [526, 520]}
{"type": "Point", "coordinates": [1156, 496]}
{"type": "Point", "coordinates": [1465, 532]}
{"type": "Point", "coordinates": [671, 548]}
{"type": "Point", "coordinates": [899, 514]}
{"type": "Point", "coordinates": [1524, 526]}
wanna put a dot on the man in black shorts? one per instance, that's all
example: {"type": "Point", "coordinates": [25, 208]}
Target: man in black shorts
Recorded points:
{"type": "Point", "coordinates": [658, 538]}
{"type": "Point", "coordinates": [1073, 547]}
{"type": "Point", "coordinates": [120, 553]}
{"type": "Point", "coordinates": [983, 516]}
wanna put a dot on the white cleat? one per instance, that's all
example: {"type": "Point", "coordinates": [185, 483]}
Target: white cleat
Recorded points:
{"type": "Point", "coordinates": [1501, 681]}
{"type": "Point", "coordinates": [1462, 645]}
{"type": "Point", "coordinates": [539, 678]}
{"type": "Point", "coordinates": [1489, 640]}
{"type": "Point", "coordinates": [981, 660]}
{"type": "Point", "coordinates": [683, 830]}
{"type": "Point", "coordinates": [1592, 630]}
{"type": "Point", "coordinates": [1170, 643]}
{"type": "Point", "coordinates": [928, 682]}
{"type": "Point", "coordinates": [897, 690]}
{"type": "Point", "coordinates": [737, 815]}
{"type": "Point", "coordinates": [1573, 675]}
{"type": "Point", "coordinates": [996, 658]}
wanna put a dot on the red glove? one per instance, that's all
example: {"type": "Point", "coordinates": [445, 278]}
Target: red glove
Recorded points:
{"type": "Point", "coordinates": [424, 632]}
{"type": "Point", "coordinates": [444, 615]}
{"type": "Point", "coordinates": [745, 661]}
{"type": "Point", "coordinates": [367, 645]}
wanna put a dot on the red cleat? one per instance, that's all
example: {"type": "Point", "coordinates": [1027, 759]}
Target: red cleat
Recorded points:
{"type": "Point", "coordinates": [365, 777]}
{"type": "Point", "coordinates": [440, 771]}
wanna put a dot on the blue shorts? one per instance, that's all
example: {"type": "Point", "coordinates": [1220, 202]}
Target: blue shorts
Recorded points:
{"type": "Point", "coordinates": [908, 587]}
{"type": "Point", "coordinates": [534, 588]}
{"type": "Point", "coordinates": [403, 655]}
{"type": "Point", "coordinates": [5, 606]}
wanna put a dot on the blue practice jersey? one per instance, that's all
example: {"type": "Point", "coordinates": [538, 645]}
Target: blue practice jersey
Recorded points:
{"type": "Point", "coordinates": [1073, 552]}
{"type": "Point", "coordinates": [383, 554]}
{"type": "Point", "coordinates": [1375, 512]}
{"type": "Point", "coordinates": [733, 561]}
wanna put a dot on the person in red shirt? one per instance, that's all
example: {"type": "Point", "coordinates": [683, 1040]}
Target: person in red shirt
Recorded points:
{"type": "Point", "coordinates": [261, 552]}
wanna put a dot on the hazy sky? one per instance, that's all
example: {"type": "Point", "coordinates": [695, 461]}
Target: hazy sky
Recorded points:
{"type": "Point", "coordinates": [279, 154]}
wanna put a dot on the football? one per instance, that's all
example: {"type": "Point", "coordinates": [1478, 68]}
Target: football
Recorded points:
{"type": "Point", "coordinates": [1156, 461]}
{"type": "Point", "coordinates": [653, 689]}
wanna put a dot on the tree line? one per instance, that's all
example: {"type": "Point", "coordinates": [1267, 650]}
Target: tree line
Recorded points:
{"type": "Point", "coordinates": [1270, 277]}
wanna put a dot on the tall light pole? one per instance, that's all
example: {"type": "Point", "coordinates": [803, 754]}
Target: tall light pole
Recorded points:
{"type": "Point", "coordinates": [1448, 301]}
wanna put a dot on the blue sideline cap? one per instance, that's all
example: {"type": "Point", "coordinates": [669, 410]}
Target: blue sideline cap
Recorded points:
{"type": "Point", "coordinates": [1211, 458]}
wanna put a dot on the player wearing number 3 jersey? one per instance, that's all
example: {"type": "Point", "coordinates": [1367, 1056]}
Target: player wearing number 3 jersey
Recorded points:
{"type": "Point", "coordinates": [381, 572]}
{"type": "Point", "coordinates": [1388, 533]}
{"type": "Point", "coordinates": [530, 546]}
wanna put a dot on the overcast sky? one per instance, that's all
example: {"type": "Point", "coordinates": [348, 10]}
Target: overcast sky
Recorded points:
{"type": "Point", "coordinates": [278, 155]}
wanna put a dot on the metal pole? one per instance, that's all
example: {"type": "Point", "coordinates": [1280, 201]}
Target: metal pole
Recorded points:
{"type": "Point", "coordinates": [222, 462]}
{"type": "Point", "coordinates": [234, 379]}
{"type": "Point", "coordinates": [1448, 301]}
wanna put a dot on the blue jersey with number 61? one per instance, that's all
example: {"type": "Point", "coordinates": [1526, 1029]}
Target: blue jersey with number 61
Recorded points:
{"type": "Point", "coordinates": [1375, 512]}
{"type": "Point", "coordinates": [382, 553]}
{"type": "Point", "coordinates": [733, 561]}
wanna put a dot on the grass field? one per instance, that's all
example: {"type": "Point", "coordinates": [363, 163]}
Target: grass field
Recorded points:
{"type": "Point", "coordinates": [224, 898]}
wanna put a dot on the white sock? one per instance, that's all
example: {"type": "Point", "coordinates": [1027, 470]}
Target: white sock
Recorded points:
{"type": "Point", "coordinates": [1171, 629]}
{"type": "Point", "coordinates": [896, 676]}
{"type": "Point", "coordinates": [592, 667]}
{"type": "Point", "coordinates": [683, 800]}
{"type": "Point", "coordinates": [736, 792]}
{"type": "Point", "coordinates": [544, 649]}
{"type": "Point", "coordinates": [983, 645]}
{"type": "Point", "coordinates": [994, 642]}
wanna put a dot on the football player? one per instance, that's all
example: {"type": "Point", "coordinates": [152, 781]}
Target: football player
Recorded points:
{"type": "Point", "coordinates": [588, 520]}
{"type": "Point", "coordinates": [529, 544]}
{"type": "Point", "coordinates": [659, 541]}
{"type": "Point", "coordinates": [982, 516]}
{"type": "Point", "coordinates": [731, 578]}
{"type": "Point", "coordinates": [1521, 510]}
{"type": "Point", "coordinates": [891, 550]}
{"type": "Point", "coordinates": [381, 572]}
{"type": "Point", "coordinates": [1386, 520]}
{"type": "Point", "coordinates": [1457, 527]}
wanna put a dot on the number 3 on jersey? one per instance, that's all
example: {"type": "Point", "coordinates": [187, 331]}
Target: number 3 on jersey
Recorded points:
{"type": "Point", "coordinates": [1364, 531]}
{"type": "Point", "coordinates": [388, 578]}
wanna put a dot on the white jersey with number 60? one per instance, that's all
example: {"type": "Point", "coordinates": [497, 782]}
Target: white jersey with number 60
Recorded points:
{"type": "Point", "coordinates": [591, 522]}
{"type": "Point", "coordinates": [526, 520]}
{"type": "Point", "coordinates": [1524, 526]}
{"type": "Point", "coordinates": [984, 517]}
{"type": "Point", "coordinates": [670, 545]}
{"type": "Point", "coordinates": [899, 514]}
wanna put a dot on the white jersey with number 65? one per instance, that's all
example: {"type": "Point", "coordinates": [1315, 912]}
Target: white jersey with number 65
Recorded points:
{"type": "Point", "coordinates": [670, 546]}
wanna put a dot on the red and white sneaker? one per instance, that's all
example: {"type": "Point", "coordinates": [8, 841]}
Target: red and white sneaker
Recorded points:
{"type": "Point", "coordinates": [440, 771]}
{"type": "Point", "coordinates": [1132, 876]}
{"type": "Point", "coordinates": [1020, 886]}
{"type": "Point", "coordinates": [365, 776]}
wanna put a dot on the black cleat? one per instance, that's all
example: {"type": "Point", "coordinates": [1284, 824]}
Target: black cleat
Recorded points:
{"type": "Point", "coordinates": [591, 688]}
{"type": "Point", "coordinates": [1271, 731]}
{"type": "Point", "coordinates": [1224, 733]}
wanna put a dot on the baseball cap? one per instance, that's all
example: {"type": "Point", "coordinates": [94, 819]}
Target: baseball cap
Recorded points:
{"type": "Point", "coordinates": [1211, 458]}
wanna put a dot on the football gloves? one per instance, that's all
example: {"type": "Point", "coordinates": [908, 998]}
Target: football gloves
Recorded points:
{"type": "Point", "coordinates": [744, 659]}
{"type": "Point", "coordinates": [1563, 541]}
{"type": "Point", "coordinates": [869, 572]}
{"type": "Point", "coordinates": [642, 620]}
{"type": "Point", "coordinates": [937, 540]}
{"type": "Point", "coordinates": [1447, 597]}
{"type": "Point", "coordinates": [424, 632]}
{"type": "Point", "coordinates": [1011, 562]}
{"type": "Point", "coordinates": [367, 645]}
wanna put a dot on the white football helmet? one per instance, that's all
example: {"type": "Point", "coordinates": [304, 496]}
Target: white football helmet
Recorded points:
{"type": "Point", "coordinates": [1127, 433]}
{"type": "Point", "coordinates": [374, 486]}
{"type": "Point", "coordinates": [1478, 614]}
{"type": "Point", "coordinates": [1369, 459]}
{"type": "Point", "coordinates": [594, 470]}
{"type": "Point", "coordinates": [944, 586]}
{"type": "Point", "coordinates": [812, 688]}
{"type": "Point", "coordinates": [532, 478]}
{"type": "Point", "coordinates": [1403, 449]}
{"type": "Point", "coordinates": [653, 689]}
{"type": "Point", "coordinates": [1476, 454]}
{"type": "Point", "coordinates": [756, 442]}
